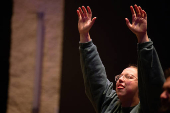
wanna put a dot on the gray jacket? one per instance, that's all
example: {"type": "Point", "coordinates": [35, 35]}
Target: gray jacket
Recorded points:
{"type": "Point", "coordinates": [100, 90]}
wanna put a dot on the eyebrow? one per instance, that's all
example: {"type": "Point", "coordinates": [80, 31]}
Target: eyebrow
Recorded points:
{"type": "Point", "coordinates": [166, 86]}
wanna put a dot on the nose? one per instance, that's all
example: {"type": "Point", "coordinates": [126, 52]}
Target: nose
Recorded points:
{"type": "Point", "coordinates": [164, 95]}
{"type": "Point", "coordinates": [121, 79]}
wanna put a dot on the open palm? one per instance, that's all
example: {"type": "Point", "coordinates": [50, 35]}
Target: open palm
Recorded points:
{"type": "Point", "coordinates": [85, 20]}
{"type": "Point", "coordinates": [139, 21]}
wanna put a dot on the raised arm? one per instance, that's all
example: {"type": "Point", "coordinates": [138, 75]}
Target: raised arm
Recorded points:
{"type": "Point", "coordinates": [97, 86]}
{"type": "Point", "coordinates": [150, 73]}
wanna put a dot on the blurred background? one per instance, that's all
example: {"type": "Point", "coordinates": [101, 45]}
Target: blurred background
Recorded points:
{"type": "Point", "coordinates": [40, 71]}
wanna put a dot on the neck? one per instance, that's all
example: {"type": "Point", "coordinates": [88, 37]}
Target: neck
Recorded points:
{"type": "Point", "coordinates": [129, 102]}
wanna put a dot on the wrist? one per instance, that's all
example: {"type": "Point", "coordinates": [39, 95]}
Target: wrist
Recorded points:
{"type": "Point", "coordinates": [85, 38]}
{"type": "Point", "coordinates": [143, 38]}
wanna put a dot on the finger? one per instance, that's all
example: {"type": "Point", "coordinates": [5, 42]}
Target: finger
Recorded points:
{"type": "Point", "coordinates": [78, 13]}
{"type": "Point", "coordinates": [133, 13]}
{"type": "Point", "coordinates": [85, 11]}
{"type": "Point", "coordinates": [92, 22]}
{"type": "Point", "coordinates": [89, 10]}
{"type": "Point", "coordinates": [81, 12]}
{"type": "Point", "coordinates": [145, 15]}
{"type": "Point", "coordinates": [128, 23]}
{"type": "Point", "coordinates": [141, 12]}
{"type": "Point", "coordinates": [137, 10]}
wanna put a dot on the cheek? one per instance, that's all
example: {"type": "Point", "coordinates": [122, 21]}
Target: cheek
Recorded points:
{"type": "Point", "coordinates": [132, 85]}
{"type": "Point", "coordinates": [116, 83]}
{"type": "Point", "coordinates": [128, 83]}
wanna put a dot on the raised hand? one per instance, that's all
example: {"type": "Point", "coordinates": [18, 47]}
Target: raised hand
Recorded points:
{"type": "Point", "coordinates": [139, 23]}
{"type": "Point", "coordinates": [85, 23]}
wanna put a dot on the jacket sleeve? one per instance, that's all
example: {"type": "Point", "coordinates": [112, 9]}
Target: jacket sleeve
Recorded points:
{"type": "Point", "coordinates": [97, 86]}
{"type": "Point", "coordinates": [150, 76]}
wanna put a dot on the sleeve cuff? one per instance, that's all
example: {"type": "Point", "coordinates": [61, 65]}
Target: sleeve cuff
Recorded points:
{"type": "Point", "coordinates": [85, 45]}
{"type": "Point", "coordinates": [145, 44]}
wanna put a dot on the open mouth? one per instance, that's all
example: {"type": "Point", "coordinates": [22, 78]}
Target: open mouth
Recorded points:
{"type": "Point", "coordinates": [120, 86]}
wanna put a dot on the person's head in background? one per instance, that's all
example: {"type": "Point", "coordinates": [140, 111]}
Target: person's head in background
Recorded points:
{"type": "Point", "coordinates": [165, 96]}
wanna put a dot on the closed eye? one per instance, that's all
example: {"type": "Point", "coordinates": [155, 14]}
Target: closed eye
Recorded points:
{"type": "Point", "coordinates": [129, 76]}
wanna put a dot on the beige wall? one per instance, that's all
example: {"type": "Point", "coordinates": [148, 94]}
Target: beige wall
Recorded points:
{"type": "Point", "coordinates": [23, 55]}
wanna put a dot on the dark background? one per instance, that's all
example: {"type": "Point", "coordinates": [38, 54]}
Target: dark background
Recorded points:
{"type": "Point", "coordinates": [116, 44]}
{"type": "Point", "coordinates": [5, 42]}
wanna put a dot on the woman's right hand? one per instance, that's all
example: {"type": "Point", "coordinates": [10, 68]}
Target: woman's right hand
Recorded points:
{"type": "Point", "coordinates": [85, 23]}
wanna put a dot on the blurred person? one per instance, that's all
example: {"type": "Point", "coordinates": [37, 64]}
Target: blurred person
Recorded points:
{"type": "Point", "coordinates": [165, 96]}
{"type": "Point", "coordinates": [137, 88]}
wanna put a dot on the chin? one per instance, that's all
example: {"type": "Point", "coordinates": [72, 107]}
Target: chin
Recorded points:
{"type": "Point", "coordinates": [120, 94]}
{"type": "Point", "coordinates": [164, 109]}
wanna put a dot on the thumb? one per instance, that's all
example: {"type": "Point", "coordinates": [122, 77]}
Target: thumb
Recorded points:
{"type": "Point", "coordinates": [128, 23]}
{"type": "Point", "coordinates": [92, 22]}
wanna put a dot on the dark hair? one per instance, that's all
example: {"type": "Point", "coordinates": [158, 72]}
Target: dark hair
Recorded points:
{"type": "Point", "coordinates": [167, 73]}
{"type": "Point", "coordinates": [133, 65]}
